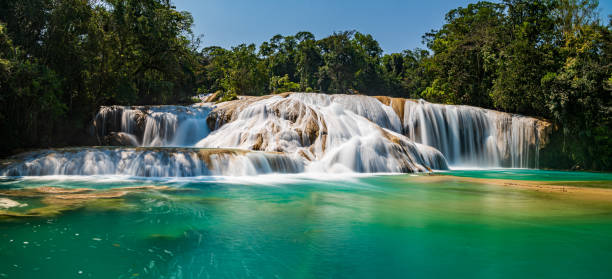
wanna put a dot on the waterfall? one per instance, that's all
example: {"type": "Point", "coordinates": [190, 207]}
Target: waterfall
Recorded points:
{"type": "Point", "coordinates": [294, 132]}
{"type": "Point", "coordinates": [152, 126]}
{"type": "Point", "coordinates": [152, 162]}
{"type": "Point", "coordinates": [471, 136]}
{"type": "Point", "coordinates": [336, 133]}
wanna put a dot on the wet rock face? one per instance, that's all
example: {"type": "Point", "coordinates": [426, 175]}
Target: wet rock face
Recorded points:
{"type": "Point", "coordinates": [295, 113]}
{"type": "Point", "coordinates": [113, 122]}
{"type": "Point", "coordinates": [329, 131]}
{"type": "Point", "coordinates": [304, 119]}
{"type": "Point", "coordinates": [285, 120]}
{"type": "Point", "coordinates": [544, 130]}
{"type": "Point", "coordinates": [397, 104]}
{"type": "Point", "coordinates": [226, 112]}
{"type": "Point", "coordinates": [298, 122]}
{"type": "Point", "coordinates": [120, 139]}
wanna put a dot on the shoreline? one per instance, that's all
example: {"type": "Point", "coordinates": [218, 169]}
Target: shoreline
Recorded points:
{"type": "Point", "coordinates": [568, 188]}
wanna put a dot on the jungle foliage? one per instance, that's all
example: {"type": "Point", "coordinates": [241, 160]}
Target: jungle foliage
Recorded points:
{"type": "Point", "coordinates": [61, 59]}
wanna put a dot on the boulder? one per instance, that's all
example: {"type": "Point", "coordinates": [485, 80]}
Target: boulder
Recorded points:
{"type": "Point", "coordinates": [120, 139]}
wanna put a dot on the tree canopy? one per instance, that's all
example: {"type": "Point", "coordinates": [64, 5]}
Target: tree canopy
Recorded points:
{"type": "Point", "coordinates": [61, 59]}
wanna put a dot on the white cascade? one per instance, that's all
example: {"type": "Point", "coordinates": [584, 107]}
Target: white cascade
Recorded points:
{"type": "Point", "coordinates": [336, 133]}
{"type": "Point", "coordinates": [472, 136]}
{"type": "Point", "coordinates": [151, 162]}
{"type": "Point", "coordinates": [154, 125]}
{"type": "Point", "coordinates": [293, 132]}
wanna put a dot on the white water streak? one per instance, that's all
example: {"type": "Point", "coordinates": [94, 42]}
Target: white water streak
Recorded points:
{"type": "Point", "coordinates": [151, 162]}
{"type": "Point", "coordinates": [156, 125]}
{"type": "Point", "coordinates": [471, 136]}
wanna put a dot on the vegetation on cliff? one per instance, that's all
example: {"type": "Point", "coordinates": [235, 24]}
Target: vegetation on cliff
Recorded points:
{"type": "Point", "coordinates": [61, 59]}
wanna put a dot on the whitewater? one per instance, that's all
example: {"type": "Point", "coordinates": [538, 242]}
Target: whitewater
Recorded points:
{"type": "Point", "coordinates": [293, 133]}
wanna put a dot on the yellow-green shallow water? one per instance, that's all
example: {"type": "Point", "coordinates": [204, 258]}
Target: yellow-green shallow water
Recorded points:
{"type": "Point", "coordinates": [398, 226]}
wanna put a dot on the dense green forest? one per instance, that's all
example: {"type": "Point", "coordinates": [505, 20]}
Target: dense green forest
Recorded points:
{"type": "Point", "coordinates": [61, 59]}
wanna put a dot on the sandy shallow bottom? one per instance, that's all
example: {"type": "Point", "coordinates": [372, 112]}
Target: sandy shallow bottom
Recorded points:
{"type": "Point", "coordinates": [595, 190]}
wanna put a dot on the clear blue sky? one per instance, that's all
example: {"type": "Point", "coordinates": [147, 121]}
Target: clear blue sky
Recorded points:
{"type": "Point", "coordinates": [395, 24]}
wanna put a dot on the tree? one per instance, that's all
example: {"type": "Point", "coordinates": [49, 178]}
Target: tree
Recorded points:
{"type": "Point", "coordinates": [246, 74]}
{"type": "Point", "coordinates": [369, 79]}
{"type": "Point", "coordinates": [464, 57]}
{"type": "Point", "coordinates": [579, 96]}
{"type": "Point", "coordinates": [341, 63]}
{"type": "Point", "coordinates": [30, 99]}
{"type": "Point", "coordinates": [68, 57]}
{"type": "Point", "coordinates": [309, 59]}
{"type": "Point", "coordinates": [416, 75]}
{"type": "Point", "coordinates": [527, 54]}
{"type": "Point", "coordinates": [571, 15]}
{"type": "Point", "coordinates": [283, 84]}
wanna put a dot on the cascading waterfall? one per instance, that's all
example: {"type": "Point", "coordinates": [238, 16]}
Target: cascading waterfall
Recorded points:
{"type": "Point", "coordinates": [471, 136]}
{"type": "Point", "coordinates": [293, 132]}
{"type": "Point", "coordinates": [337, 133]}
{"type": "Point", "coordinates": [154, 125]}
{"type": "Point", "coordinates": [152, 162]}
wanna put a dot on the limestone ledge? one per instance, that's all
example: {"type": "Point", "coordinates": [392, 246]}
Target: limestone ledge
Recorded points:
{"type": "Point", "coordinates": [56, 200]}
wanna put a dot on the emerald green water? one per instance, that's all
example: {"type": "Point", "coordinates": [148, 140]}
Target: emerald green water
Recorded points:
{"type": "Point", "coordinates": [382, 226]}
{"type": "Point", "coordinates": [533, 174]}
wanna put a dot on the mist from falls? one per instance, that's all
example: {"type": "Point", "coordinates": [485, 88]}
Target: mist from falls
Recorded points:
{"type": "Point", "coordinates": [289, 133]}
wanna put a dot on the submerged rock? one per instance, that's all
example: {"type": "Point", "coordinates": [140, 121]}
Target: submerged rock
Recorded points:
{"type": "Point", "coordinates": [60, 190]}
{"type": "Point", "coordinates": [8, 203]}
{"type": "Point", "coordinates": [95, 195]}
{"type": "Point", "coordinates": [42, 191]}
{"type": "Point", "coordinates": [56, 200]}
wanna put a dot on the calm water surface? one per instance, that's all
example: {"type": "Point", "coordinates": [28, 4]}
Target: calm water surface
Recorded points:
{"type": "Point", "coordinates": [533, 174]}
{"type": "Point", "coordinates": [397, 226]}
